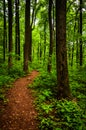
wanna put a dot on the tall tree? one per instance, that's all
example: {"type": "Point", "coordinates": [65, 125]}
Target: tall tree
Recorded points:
{"type": "Point", "coordinates": [17, 29]}
{"type": "Point", "coordinates": [33, 17]}
{"type": "Point", "coordinates": [81, 55]}
{"type": "Point", "coordinates": [5, 30]}
{"type": "Point", "coordinates": [44, 39]}
{"type": "Point", "coordinates": [27, 35]}
{"type": "Point", "coordinates": [10, 16]}
{"type": "Point", "coordinates": [61, 51]}
{"type": "Point", "coordinates": [51, 35]}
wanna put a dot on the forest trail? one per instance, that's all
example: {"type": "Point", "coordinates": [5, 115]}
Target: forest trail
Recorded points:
{"type": "Point", "coordinates": [20, 113]}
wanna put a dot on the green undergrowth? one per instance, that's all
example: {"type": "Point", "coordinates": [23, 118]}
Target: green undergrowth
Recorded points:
{"type": "Point", "coordinates": [8, 77]}
{"type": "Point", "coordinates": [78, 86]}
{"type": "Point", "coordinates": [56, 114]}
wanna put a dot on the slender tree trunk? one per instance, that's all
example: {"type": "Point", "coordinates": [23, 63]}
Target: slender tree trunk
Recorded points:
{"type": "Point", "coordinates": [18, 33]}
{"type": "Point", "coordinates": [73, 46]}
{"type": "Point", "coordinates": [51, 36]}
{"type": "Point", "coordinates": [17, 30]}
{"type": "Point", "coordinates": [30, 45]}
{"type": "Point", "coordinates": [5, 31]}
{"type": "Point", "coordinates": [77, 52]}
{"type": "Point", "coordinates": [72, 54]}
{"type": "Point", "coordinates": [32, 21]}
{"type": "Point", "coordinates": [27, 35]}
{"type": "Point", "coordinates": [69, 54]}
{"type": "Point", "coordinates": [44, 40]}
{"type": "Point", "coordinates": [81, 52]}
{"type": "Point", "coordinates": [10, 16]}
{"type": "Point", "coordinates": [40, 48]}
{"type": "Point", "coordinates": [77, 46]}
{"type": "Point", "coordinates": [54, 33]}
{"type": "Point", "coordinates": [61, 51]}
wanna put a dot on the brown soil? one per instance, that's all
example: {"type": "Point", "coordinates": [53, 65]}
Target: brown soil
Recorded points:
{"type": "Point", "coordinates": [20, 113]}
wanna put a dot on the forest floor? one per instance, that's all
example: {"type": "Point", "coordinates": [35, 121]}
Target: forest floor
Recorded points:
{"type": "Point", "coordinates": [19, 113]}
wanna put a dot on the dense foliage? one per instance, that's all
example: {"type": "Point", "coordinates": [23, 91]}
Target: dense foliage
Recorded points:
{"type": "Point", "coordinates": [61, 114]}
{"type": "Point", "coordinates": [7, 78]}
{"type": "Point", "coordinates": [54, 114]}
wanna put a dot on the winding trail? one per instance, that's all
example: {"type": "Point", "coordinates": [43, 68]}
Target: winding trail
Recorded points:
{"type": "Point", "coordinates": [20, 113]}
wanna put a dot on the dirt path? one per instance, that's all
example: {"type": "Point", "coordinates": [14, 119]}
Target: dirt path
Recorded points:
{"type": "Point", "coordinates": [20, 113]}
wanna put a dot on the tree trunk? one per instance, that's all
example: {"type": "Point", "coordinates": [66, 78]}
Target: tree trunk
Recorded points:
{"type": "Point", "coordinates": [30, 45]}
{"type": "Point", "coordinates": [31, 27]}
{"type": "Point", "coordinates": [72, 58]}
{"type": "Point", "coordinates": [17, 30]}
{"type": "Point", "coordinates": [44, 40]}
{"type": "Point", "coordinates": [77, 47]}
{"type": "Point", "coordinates": [51, 36]}
{"type": "Point", "coordinates": [10, 16]}
{"type": "Point", "coordinates": [5, 31]}
{"type": "Point", "coordinates": [61, 51]}
{"type": "Point", "coordinates": [40, 48]}
{"type": "Point", "coordinates": [27, 35]}
{"type": "Point", "coordinates": [81, 55]}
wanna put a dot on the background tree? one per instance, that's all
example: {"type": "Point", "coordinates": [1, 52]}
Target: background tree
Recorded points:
{"type": "Point", "coordinates": [51, 35]}
{"type": "Point", "coordinates": [5, 31]}
{"type": "Point", "coordinates": [81, 52]}
{"type": "Point", "coordinates": [32, 25]}
{"type": "Point", "coordinates": [10, 18]}
{"type": "Point", "coordinates": [17, 30]}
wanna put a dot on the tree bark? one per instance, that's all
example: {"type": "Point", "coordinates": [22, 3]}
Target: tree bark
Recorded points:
{"type": "Point", "coordinates": [30, 45]}
{"type": "Point", "coordinates": [44, 41]}
{"type": "Point", "coordinates": [10, 16]}
{"type": "Point", "coordinates": [51, 36]}
{"type": "Point", "coordinates": [5, 31]}
{"type": "Point", "coordinates": [81, 52]}
{"type": "Point", "coordinates": [17, 30]}
{"type": "Point", "coordinates": [31, 28]}
{"type": "Point", "coordinates": [27, 35]}
{"type": "Point", "coordinates": [61, 51]}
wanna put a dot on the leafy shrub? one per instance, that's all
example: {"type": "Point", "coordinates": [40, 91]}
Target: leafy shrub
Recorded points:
{"type": "Point", "coordinates": [5, 80]}
{"type": "Point", "coordinates": [70, 115]}
{"type": "Point", "coordinates": [44, 82]}
{"type": "Point", "coordinates": [16, 71]}
{"type": "Point", "coordinates": [57, 114]}
{"type": "Point", "coordinates": [61, 115]}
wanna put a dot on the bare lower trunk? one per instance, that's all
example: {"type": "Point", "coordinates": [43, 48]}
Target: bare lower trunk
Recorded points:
{"type": "Point", "coordinates": [27, 35]}
{"type": "Point", "coordinates": [61, 51]}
